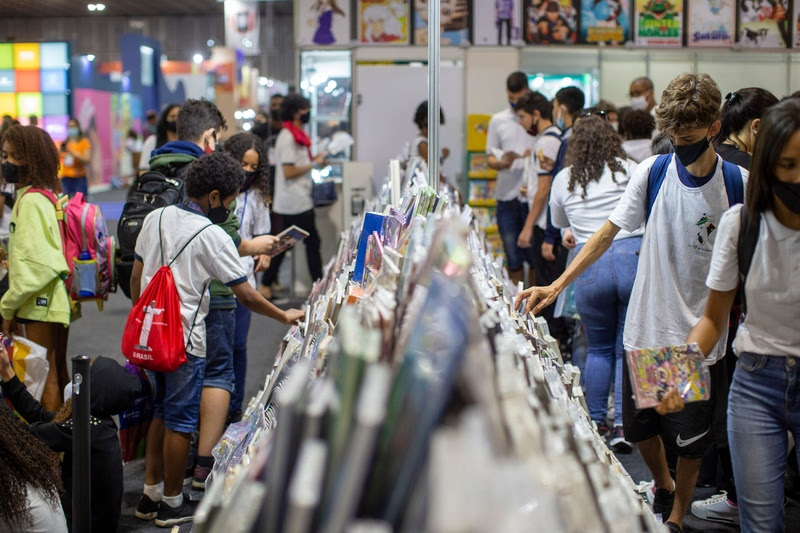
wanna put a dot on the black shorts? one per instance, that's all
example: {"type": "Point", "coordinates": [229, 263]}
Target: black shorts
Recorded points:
{"type": "Point", "coordinates": [691, 433]}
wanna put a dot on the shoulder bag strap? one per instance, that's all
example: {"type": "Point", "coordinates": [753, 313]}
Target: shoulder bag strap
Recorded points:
{"type": "Point", "coordinates": [658, 172]}
{"type": "Point", "coordinates": [734, 184]}
{"type": "Point", "coordinates": [746, 247]}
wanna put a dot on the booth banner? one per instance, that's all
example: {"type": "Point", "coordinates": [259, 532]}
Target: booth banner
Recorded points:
{"type": "Point", "coordinates": [765, 24]}
{"type": "Point", "coordinates": [551, 21]}
{"type": "Point", "coordinates": [605, 21]}
{"type": "Point", "coordinates": [322, 22]}
{"type": "Point", "coordinates": [659, 22]}
{"type": "Point", "coordinates": [93, 109]}
{"type": "Point", "coordinates": [711, 22]}
{"type": "Point", "coordinates": [242, 26]}
{"type": "Point", "coordinates": [384, 21]}
{"type": "Point", "coordinates": [455, 22]}
{"type": "Point", "coordinates": [497, 22]}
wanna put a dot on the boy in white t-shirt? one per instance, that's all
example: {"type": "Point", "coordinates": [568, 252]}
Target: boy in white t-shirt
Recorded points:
{"type": "Point", "coordinates": [202, 252]}
{"type": "Point", "coordinates": [669, 293]}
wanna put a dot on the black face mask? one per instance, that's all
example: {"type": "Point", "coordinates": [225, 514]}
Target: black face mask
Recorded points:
{"type": "Point", "coordinates": [12, 173]}
{"type": "Point", "coordinates": [171, 125]}
{"type": "Point", "coordinates": [275, 115]}
{"type": "Point", "coordinates": [219, 214]}
{"type": "Point", "coordinates": [248, 180]}
{"type": "Point", "coordinates": [789, 193]}
{"type": "Point", "coordinates": [689, 153]}
{"type": "Point", "coordinates": [305, 118]}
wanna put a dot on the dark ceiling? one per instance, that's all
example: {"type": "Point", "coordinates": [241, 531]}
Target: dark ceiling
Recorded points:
{"type": "Point", "coordinates": [120, 8]}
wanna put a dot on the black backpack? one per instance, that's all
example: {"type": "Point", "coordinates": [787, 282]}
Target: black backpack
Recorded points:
{"type": "Point", "coordinates": [748, 239]}
{"type": "Point", "coordinates": [150, 191]}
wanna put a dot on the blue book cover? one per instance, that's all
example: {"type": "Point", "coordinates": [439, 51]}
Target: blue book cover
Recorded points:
{"type": "Point", "coordinates": [372, 222]}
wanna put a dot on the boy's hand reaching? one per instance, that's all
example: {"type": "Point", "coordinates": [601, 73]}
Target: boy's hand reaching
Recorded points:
{"type": "Point", "coordinates": [264, 243]}
{"type": "Point", "coordinates": [293, 316]}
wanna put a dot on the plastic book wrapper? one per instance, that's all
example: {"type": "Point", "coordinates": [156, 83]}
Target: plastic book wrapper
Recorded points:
{"type": "Point", "coordinates": [654, 371]}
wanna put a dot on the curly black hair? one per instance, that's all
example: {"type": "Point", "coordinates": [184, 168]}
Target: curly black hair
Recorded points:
{"type": "Point", "coordinates": [216, 171]}
{"type": "Point", "coordinates": [638, 124]}
{"type": "Point", "coordinates": [24, 461]}
{"type": "Point", "coordinates": [593, 145]}
{"type": "Point", "coordinates": [197, 116]}
{"type": "Point", "coordinates": [240, 143]}
{"type": "Point", "coordinates": [37, 152]}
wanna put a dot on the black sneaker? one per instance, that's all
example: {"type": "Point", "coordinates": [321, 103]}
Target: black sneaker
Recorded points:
{"type": "Point", "coordinates": [169, 516]}
{"type": "Point", "coordinates": [662, 502]}
{"type": "Point", "coordinates": [617, 442]}
{"type": "Point", "coordinates": [147, 508]}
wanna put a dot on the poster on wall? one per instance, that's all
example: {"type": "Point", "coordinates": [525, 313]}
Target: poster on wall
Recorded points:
{"type": "Point", "coordinates": [711, 22]}
{"type": "Point", "coordinates": [383, 21]}
{"type": "Point", "coordinates": [764, 23]}
{"type": "Point", "coordinates": [322, 22]}
{"type": "Point", "coordinates": [242, 26]}
{"type": "Point", "coordinates": [796, 23]}
{"type": "Point", "coordinates": [455, 22]}
{"type": "Point", "coordinates": [659, 22]}
{"type": "Point", "coordinates": [551, 21]}
{"type": "Point", "coordinates": [605, 21]}
{"type": "Point", "coordinates": [497, 22]}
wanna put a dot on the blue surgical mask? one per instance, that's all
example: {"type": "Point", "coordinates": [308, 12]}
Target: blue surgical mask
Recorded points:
{"type": "Point", "coordinates": [73, 132]}
{"type": "Point", "coordinates": [560, 123]}
{"type": "Point", "coordinates": [513, 105]}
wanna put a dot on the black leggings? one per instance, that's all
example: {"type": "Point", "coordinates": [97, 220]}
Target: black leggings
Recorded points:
{"type": "Point", "coordinates": [304, 221]}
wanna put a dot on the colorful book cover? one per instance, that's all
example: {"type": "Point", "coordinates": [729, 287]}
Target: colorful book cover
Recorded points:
{"type": "Point", "coordinates": [477, 130]}
{"type": "Point", "coordinates": [322, 22]}
{"type": "Point", "coordinates": [711, 22]}
{"type": "Point", "coordinates": [372, 222]}
{"type": "Point", "coordinates": [455, 22]}
{"type": "Point", "coordinates": [605, 21]}
{"type": "Point", "coordinates": [479, 166]}
{"type": "Point", "coordinates": [551, 21]}
{"type": "Point", "coordinates": [481, 191]}
{"type": "Point", "coordinates": [655, 371]}
{"type": "Point", "coordinates": [659, 22]}
{"type": "Point", "coordinates": [764, 24]}
{"type": "Point", "coordinates": [383, 21]}
{"type": "Point", "coordinates": [497, 22]}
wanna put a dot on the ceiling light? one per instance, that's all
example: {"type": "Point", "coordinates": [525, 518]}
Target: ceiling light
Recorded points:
{"type": "Point", "coordinates": [247, 126]}
{"type": "Point", "coordinates": [262, 81]}
{"type": "Point", "coordinates": [90, 57]}
{"type": "Point", "coordinates": [210, 42]}
{"type": "Point", "coordinates": [237, 115]}
{"type": "Point", "coordinates": [100, 7]}
{"type": "Point", "coordinates": [91, 7]}
{"type": "Point", "coordinates": [198, 58]}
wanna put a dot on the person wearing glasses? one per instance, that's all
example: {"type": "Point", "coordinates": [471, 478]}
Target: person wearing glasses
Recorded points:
{"type": "Point", "coordinates": [669, 292]}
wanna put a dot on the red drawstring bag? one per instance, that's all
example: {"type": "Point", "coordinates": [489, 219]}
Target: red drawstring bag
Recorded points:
{"type": "Point", "coordinates": [153, 336]}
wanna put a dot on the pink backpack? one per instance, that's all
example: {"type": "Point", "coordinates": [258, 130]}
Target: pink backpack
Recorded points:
{"type": "Point", "coordinates": [88, 248]}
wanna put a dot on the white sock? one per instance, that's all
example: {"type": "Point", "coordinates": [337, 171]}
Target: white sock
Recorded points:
{"type": "Point", "coordinates": [173, 501]}
{"type": "Point", "coordinates": [154, 492]}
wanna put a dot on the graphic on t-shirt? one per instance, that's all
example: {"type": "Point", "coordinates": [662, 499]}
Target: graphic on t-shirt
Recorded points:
{"type": "Point", "coordinates": [707, 227]}
{"type": "Point", "coordinates": [659, 22]}
{"type": "Point", "coordinates": [150, 312]}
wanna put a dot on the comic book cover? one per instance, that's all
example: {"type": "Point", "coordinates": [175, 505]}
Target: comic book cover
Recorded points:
{"type": "Point", "coordinates": [322, 22]}
{"type": "Point", "coordinates": [764, 23]}
{"type": "Point", "coordinates": [659, 22]}
{"type": "Point", "coordinates": [455, 22]}
{"type": "Point", "coordinates": [605, 21]}
{"type": "Point", "coordinates": [481, 192]}
{"type": "Point", "coordinates": [711, 23]}
{"type": "Point", "coordinates": [497, 22]}
{"type": "Point", "coordinates": [655, 371]}
{"type": "Point", "coordinates": [383, 21]}
{"type": "Point", "coordinates": [551, 21]}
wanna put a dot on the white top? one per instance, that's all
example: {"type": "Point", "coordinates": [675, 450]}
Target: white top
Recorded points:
{"type": "Point", "coordinates": [772, 287]}
{"type": "Point", "coordinates": [211, 255]}
{"type": "Point", "coordinates": [148, 146]}
{"type": "Point", "coordinates": [507, 135]}
{"type": "Point", "coordinates": [638, 149]}
{"type": "Point", "coordinates": [587, 215]}
{"type": "Point", "coordinates": [669, 293]}
{"type": "Point", "coordinates": [546, 146]}
{"type": "Point", "coordinates": [253, 215]}
{"type": "Point", "coordinates": [292, 197]}
{"type": "Point", "coordinates": [45, 518]}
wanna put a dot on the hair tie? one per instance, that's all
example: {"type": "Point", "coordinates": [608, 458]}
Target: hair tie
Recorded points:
{"type": "Point", "coordinates": [731, 96]}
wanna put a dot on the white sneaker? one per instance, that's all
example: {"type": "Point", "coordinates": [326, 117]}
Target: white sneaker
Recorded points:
{"type": "Point", "coordinates": [717, 509]}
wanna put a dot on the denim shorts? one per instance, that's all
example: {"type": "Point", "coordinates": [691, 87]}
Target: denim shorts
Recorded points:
{"type": "Point", "coordinates": [176, 395]}
{"type": "Point", "coordinates": [511, 217]}
{"type": "Point", "coordinates": [220, 328]}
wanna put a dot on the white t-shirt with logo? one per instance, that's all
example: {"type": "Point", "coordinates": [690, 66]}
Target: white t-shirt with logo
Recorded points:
{"type": "Point", "coordinates": [209, 256]}
{"type": "Point", "coordinates": [669, 293]}
{"type": "Point", "coordinates": [772, 323]}
{"type": "Point", "coordinates": [253, 215]}
{"type": "Point", "coordinates": [507, 135]}
{"type": "Point", "coordinates": [547, 145]}
{"type": "Point", "coordinates": [587, 215]}
{"type": "Point", "coordinates": [292, 197]}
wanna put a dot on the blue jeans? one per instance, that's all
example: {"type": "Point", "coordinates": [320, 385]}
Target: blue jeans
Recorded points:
{"type": "Point", "coordinates": [176, 395]}
{"type": "Point", "coordinates": [511, 217]}
{"type": "Point", "coordinates": [219, 349]}
{"type": "Point", "coordinates": [764, 403]}
{"type": "Point", "coordinates": [241, 330]}
{"type": "Point", "coordinates": [601, 296]}
{"type": "Point", "coordinates": [73, 185]}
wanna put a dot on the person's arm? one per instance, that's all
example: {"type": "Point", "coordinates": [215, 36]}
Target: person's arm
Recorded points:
{"type": "Point", "coordinates": [16, 392]}
{"type": "Point", "coordinates": [136, 280]}
{"type": "Point", "coordinates": [540, 297]}
{"type": "Point", "coordinates": [714, 321]}
{"type": "Point", "coordinates": [260, 245]}
{"type": "Point", "coordinates": [538, 204]}
{"type": "Point", "coordinates": [85, 154]}
{"type": "Point", "coordinates": [254, 301]}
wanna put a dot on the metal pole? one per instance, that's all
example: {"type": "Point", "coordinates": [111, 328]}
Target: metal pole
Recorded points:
{"type": "Point", "coordinates": [434, 56]}
{"type": "Point", "coordinates": [81, 447]}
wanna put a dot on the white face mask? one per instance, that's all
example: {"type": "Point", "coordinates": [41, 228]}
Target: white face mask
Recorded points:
{"type": "Point", "coordinates": [68, 391]}
{"type": "Point", "coordinates": [639, 103]}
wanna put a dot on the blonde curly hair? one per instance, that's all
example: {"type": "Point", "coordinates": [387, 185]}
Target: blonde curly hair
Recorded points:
{"type": "Point", "coordinates": [690, 101]}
